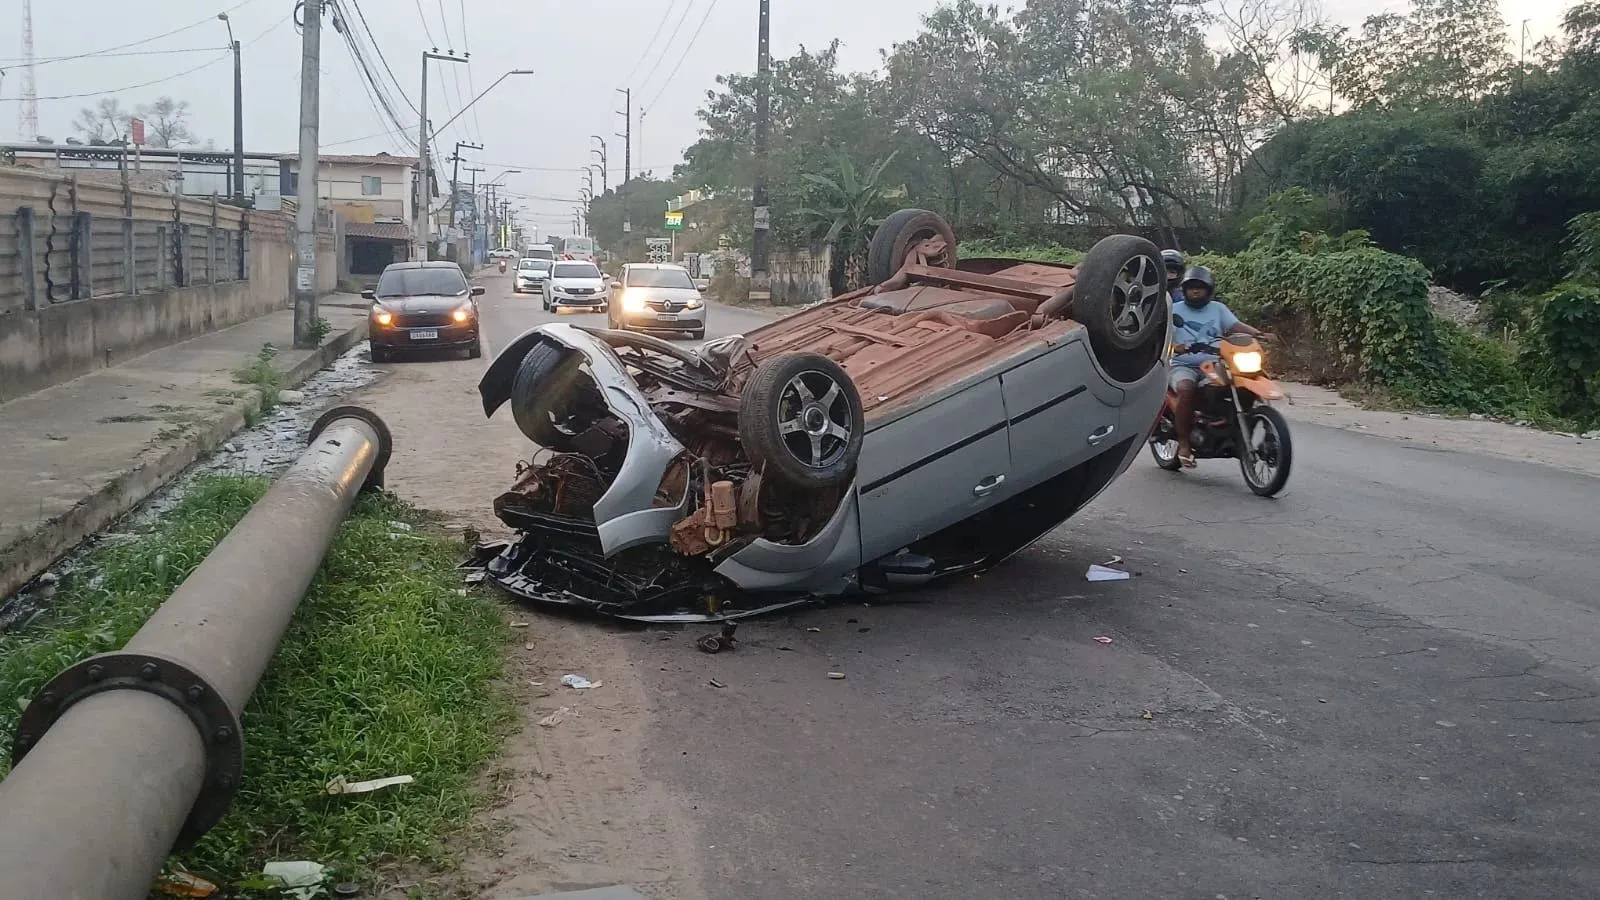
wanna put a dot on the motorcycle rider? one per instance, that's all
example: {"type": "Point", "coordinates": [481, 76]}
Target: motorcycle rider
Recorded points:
{"type": "Point", "coordinates": [1199, 321]}
{"type": "Point", "coordinates": [1175, 267]}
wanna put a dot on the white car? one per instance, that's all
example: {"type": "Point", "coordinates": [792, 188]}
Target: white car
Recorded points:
{"type": "Point", "coordinates": [502, 253]}
{"type": "Point", "coordinates": [531, 273]}
{"type": "Point", "coordinates": [573, 284]}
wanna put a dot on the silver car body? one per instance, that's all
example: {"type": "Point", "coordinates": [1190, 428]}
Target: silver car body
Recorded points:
{"type": "Point", "coordinates": [1049, 426]}
{"type": "Point", "coordinates": [639, 303]}
{"type": "Point", "coordinates": [564, 290]}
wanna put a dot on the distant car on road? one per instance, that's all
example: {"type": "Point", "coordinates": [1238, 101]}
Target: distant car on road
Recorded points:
{"type": "Point", "coordinates": [502, 253]}
{"type": "Point", "coordinates": [423, 306]}
{"type": "Point", "coordinates": [576, 285]}
{"type": "Point", "coordinates": [658, 297]}
{"type": "Point", "coordinates": [531, 273]}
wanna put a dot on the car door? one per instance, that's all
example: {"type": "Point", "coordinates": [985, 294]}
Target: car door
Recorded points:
{"type": "Point", "coordinates": [1060, 411]}
{"type": "Point", "coordinates": [930, 469]}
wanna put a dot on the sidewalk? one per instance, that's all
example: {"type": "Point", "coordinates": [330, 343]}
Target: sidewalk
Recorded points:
{"type": "Point", "coordinates": [75, 456]}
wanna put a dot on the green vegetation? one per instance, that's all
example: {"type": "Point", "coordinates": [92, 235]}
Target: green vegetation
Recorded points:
{"type": "Point", "coordinates": [389, 668]}
{"type": "Point", "coordinates": [318, 329]}
{"type": "Point", "coordinates": [261, 374]}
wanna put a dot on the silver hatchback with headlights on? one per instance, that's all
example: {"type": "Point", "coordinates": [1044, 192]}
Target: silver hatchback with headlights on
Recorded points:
{"type": "Point", "coordinates": [658, 297]}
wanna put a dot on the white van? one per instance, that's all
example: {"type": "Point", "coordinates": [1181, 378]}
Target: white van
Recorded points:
{"type": "Point", "coordinates": [540, 251]}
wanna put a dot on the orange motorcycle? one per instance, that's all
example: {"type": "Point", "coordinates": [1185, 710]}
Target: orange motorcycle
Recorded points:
{"type": "Point", "coordinates": [1233, 417]}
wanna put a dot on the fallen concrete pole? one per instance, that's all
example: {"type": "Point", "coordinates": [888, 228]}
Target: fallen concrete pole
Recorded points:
{"type": "Point", "coordinates": [126, 755]}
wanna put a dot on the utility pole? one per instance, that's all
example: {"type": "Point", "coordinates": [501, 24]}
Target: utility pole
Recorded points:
{"type": "Point", "coordinates": [455, 177]}
{"type": "Point", "coordinates": [424, 195]}
{"type": "Point", "coordinates": [305, 213]}
{"type": "Point", "coordinates": [627, 165]}
{"type": "Point", "coordinates": [472, 191]}
{"type": "Point", "coordinates": [238, 114]}
{"type": "Point", "coordinates": [761, 282]}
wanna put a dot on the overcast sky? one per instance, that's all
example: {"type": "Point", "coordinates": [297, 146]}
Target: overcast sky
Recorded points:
{"type": "Point", "coordinates": [581, 53]}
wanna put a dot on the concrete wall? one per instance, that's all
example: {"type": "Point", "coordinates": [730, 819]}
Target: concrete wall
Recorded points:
{"type": "Point", "coordinates": [799, 276]}
{"type": "Point", "coordinates": [45, 341]}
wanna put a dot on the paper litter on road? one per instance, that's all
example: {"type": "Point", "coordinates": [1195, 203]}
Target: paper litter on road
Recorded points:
{"type": "Point", "coordinates": [1102, 639]}
{"type": "Point", "coordinates": [1103, 573]}
{"type": "Point", "coordinates": [554, 718]}
{"type": "Point", "coordinates": [302, 878]}
{"type": "Point", "coordinates": [339, 786]}
{"type": "Point", "coordinates": [578, 682]}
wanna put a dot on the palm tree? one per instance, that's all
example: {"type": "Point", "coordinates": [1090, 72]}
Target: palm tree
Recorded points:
{"type": "Point", "coordinates": [849, 204]}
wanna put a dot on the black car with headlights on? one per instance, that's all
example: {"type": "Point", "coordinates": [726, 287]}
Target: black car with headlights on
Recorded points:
{"type": "Point", "coordinates": [423, 306]}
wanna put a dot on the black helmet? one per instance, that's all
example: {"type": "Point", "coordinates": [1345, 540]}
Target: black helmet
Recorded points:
{"type": "Point", "coordinates": [1202, 275]}
{"type": "Point", "coordinates": [1173, 259]}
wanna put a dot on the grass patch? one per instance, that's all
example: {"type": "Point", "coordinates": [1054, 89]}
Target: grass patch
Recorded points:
{"type": "Point", "coordinates": [387, 669]}
{"type": "Point", "coordinates": [261, 374]}
{"type": "Point", "coordinates": [127, 419]}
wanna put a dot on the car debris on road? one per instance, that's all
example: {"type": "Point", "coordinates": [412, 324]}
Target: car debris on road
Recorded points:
{"type": "Point", "coordinates": [866, 444]}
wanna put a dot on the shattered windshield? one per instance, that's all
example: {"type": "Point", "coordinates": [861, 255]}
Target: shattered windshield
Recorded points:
{"type": "Point", "coordinates": [431, 282]}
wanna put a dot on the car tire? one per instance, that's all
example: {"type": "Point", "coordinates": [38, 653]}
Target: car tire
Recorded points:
{"type": "Point", "coordinates": [813, 392]}
{"type": "Point", "coordinates": [476, 350]}
{"type": "Point", "coordinates": [541, 394]}
{"type": "Point", "coordinates": [894, 238]}
{"type": "Point", "coordinates": [1121, 298]}
{"type": "Point", "coordinates": [380, 353]}
{"type": "Point", "coordinates": [698, 334]}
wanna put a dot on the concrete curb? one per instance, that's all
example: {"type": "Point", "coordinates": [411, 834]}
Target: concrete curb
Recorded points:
{"type": "Point", "coordinates": [36, 550]}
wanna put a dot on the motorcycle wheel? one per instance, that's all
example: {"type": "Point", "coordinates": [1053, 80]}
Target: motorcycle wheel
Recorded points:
{"type": "Point", "coordinates": [1266, 464]}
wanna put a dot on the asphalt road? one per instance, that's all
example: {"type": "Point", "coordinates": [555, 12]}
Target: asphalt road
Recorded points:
{"type": "Point", "coordinates": [1377, 686]}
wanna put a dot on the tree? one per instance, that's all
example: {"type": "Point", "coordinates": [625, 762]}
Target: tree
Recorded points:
{"type": "Point", "coordinates": [102, 123]}
{"type": "Point", "coordinates": [847, 204]}
{"type": "Point", "coordinates": [166, 123]}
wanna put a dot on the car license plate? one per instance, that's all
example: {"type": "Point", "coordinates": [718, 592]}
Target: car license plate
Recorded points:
{"type": "Point", "coordinates": [424, 334]}
{"type": "Point", "coordinates": [667, 317]}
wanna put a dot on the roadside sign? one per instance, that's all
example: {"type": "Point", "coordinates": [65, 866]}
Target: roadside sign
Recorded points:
{"type": "Point", "coordinates": [674, 220]}
{"type": "Point", "coordinates": [659, 250]}
{"type": "Point", "coordinates": [136, 132]}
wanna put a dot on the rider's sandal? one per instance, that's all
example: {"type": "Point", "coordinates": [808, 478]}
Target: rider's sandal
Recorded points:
{"type": "Point", "coordinates": [1187, 461]}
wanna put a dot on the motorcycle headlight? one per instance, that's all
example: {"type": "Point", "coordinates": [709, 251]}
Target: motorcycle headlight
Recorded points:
{"type": "Point", "coordinates": [633, 302]}
{"type": "Point", "coordinates": [1247, 362]}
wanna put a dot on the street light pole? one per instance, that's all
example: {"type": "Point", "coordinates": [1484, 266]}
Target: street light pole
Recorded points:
{"type": "Point", "coordinates": [424, 194]}
{"type": "Point", "coordinates": [305, 213]}
{"type": "Point", "coordinates": [605, 165]}
{"type": "Point", "coordinates": [238, 114]}
{"type": "Point", "coordinates": [627, 164]}
{"type": "Point", "coordinates": [760, 213]}
{"type": "Point", "coordinates": [455, 177]}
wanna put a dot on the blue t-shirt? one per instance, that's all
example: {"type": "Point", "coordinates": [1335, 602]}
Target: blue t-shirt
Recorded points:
{"type": "Point", "coordinates": [1205, 325]}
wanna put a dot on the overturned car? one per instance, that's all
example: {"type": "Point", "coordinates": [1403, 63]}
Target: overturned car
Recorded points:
{"type": "Point", "coordinates": [933, 424]}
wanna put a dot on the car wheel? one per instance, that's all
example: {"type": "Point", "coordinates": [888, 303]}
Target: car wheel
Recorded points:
{"type": "Point", "coordinates": [544, 394]}
{"type": "Point", "coordinates": [698, 334]}
{"type": "Point", "coordinates": [380, 353]}
{"type": "Point", "coordinates": [476, 350]}
{"type": "Point", "coordinates": [800, 415]}
{"type": "Point", "coordinates": [1121, 297]}
{"type": "Point", "coordinates": [893, 240]}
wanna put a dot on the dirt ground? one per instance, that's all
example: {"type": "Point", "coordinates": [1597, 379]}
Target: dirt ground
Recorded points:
{"type": "Point", "coordinates": [574, 810]}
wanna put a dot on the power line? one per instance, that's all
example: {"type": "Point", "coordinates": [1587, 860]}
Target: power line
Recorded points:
{"type": "Point", "coordinates": [52, 59]}
{"type": "Point", "coordinates": [472, 86]}
{"type": "Point", "coordinates": [650, 43]}
{"type": "Point", "coordinates": [695, 37]}
{"type": "Point", "coordinates": [141, 41]}
{"type": "Point", "coordinates": [665, 48]}
{"type": "Point", "coordinates": [226, 54]}
{"type": "Point", "coordinates": [354, 4]}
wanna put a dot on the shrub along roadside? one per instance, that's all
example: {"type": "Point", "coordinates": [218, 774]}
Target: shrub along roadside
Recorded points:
{"type": "Point", "coordinates": [1360, 316]}
{"type": "Point", "coordinates": [387, 669]}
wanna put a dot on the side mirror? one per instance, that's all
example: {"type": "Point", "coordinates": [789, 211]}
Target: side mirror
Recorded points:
{"type": "Point", "coordinates": [369, 294]}
{"type": "Point", "coordinates": [477, 290]}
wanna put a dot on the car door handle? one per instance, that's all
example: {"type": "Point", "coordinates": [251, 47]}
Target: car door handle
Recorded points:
{"type": "Point", "coordinates": [1099, 435]}
{"type": "Point", "coordinates": [988, 485]}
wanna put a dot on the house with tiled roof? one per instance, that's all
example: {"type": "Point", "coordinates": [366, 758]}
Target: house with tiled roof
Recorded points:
{"type": "Point", "coordinates": [373, 196]}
